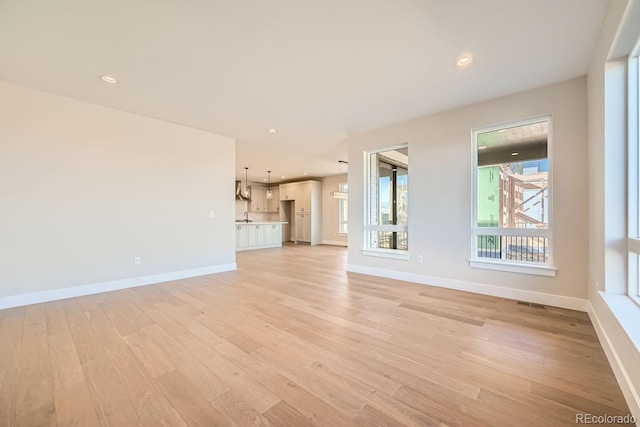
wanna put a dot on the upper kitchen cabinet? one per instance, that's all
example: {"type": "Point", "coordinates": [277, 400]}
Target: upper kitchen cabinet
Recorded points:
{"type": "Point", "coordinates": [260, 203]}
{"type": "Point", "coordinates": [307, 195]}
{"type": "Point", "coordinates": [258, 200]}
{"type": "Point", "coordinates": [288, 191]}
{"type": "Point", "coordinates": [273, 204]}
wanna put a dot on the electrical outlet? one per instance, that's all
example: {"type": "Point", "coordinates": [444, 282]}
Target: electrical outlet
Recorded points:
{"type": "Point", "coordinates": [212, 214]}
{"type": "Point", "coordinates": [137, 260]}
{"type": "Point", "coordinates": [419, 258]}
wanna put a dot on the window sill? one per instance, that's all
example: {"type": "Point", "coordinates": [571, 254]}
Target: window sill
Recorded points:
{"type": "Point", "coordinates": [387, 253]}
{"type": "Point", "coordinates": [538, 270]}
{"type": "Point", "coordinates": [627, 312]}
{"type": "Point", "coordinates": [342, 234]}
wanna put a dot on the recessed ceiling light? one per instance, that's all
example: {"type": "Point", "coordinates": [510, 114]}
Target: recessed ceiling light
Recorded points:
{"type": "Point", "coordinates": [272, 130]}
{"type": "Point", "coordinates": [482, 147]}
{"type": "Point", "coordinates": [464, 60]}
{"type": "Point", "coordinates": [515, 153]}
{"type": "Point", "coordinates": [283, 177]}
{"type": "Point", "coordinates": [304, 173]}
{"type": "Point", "coordinates": [108, 78]}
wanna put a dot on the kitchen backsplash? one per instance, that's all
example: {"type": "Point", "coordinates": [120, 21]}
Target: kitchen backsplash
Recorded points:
{"type": "Point", "coordinates": [243, 206]}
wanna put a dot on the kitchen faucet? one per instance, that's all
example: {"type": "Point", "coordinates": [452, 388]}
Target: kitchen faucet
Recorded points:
{"type": "Point", "coordinates": [246, 216]}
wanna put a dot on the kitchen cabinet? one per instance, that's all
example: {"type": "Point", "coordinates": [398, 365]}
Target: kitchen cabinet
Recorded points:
{"type": "Point", "coordinates": [302, 206]}
{"type": "Point", "coordinates": [303, 227]}
{"type": "Point", "coordinates": [274, 234]}
{"type": "Point", "coordinates": [307, 195]}
{"type": "Point", "coordinates": [258, 235]}
{"type": "Point", "coordinates": [304, 193]}
{"type": "Point", "coordinates": [288, 191]}
{"type": "Point", "coordinates": [260, 203]}
{"type": "Point", "coordinates": [258, 200]}
{"type": "Point", "coordinates": [241, 237]}
{"type": "Point", "coordinates": [273, 204]}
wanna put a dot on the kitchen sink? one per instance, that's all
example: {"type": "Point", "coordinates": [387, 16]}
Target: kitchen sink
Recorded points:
{"type": "Point", "coordinates": [244, 220]}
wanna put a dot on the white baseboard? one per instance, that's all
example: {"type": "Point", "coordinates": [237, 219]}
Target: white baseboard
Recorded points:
{"type": "Point", "coordinates": [96, 288]}
{"type": "Point", "coordinates": [334, 243]}
{"type": "Point", "coordinates": [478, 288]}
{"type": "Point", "coordinates": [612, 351]}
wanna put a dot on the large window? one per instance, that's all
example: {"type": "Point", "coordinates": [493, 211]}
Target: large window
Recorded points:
{"type": "Point", "coordinates": [634, 177]}
{"type": "Point", "coordinates": [512, 198]}
{"type": "Point", "coordinates": [343, 209]}
{"type": "Point", "coordinates": [387, 202]}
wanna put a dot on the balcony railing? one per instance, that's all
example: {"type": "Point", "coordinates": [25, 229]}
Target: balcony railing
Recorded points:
{"type": "Point", "coordinates": [387, 239]}
{"type": "Point", "coordinates": [514, 248]}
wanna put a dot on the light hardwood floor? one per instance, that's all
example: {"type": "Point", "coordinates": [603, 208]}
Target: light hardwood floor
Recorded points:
{"type": "Point", "coordinates": [291, 340]}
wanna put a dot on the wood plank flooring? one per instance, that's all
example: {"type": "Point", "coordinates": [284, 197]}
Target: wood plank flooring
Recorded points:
{"type": "Point", "coordinates": [290, 339]}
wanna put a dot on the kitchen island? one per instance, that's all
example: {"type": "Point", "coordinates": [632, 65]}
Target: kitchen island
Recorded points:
{"type": "Point", "coordinates": [258, 235]}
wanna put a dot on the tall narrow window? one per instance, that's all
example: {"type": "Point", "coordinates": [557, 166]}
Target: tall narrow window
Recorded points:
{"type": "Point", "coordinates": [512, 214]}
{"type": "Point", "coordinates": [343, 209]}
{"type": "Point", "coordinates": [386, 230]}
{"type": "Point", "coordinates": [633, 196]}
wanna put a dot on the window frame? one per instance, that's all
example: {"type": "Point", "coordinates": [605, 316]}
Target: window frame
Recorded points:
{"type": "Point", "coordinates": [543, 269]}
{"type": "Point", "coordinates": [633, 174]}
{"type": "Point", "coordinates": [343, 229]}
{"type": "Point", "coordinates": [400, 254]}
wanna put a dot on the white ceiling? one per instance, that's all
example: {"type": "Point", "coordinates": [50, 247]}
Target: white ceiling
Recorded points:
{"type": "Point", "coordinates": [316, 71]}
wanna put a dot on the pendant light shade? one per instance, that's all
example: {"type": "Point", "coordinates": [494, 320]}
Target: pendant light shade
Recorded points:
{"type": "Point", "coordinates": [269, 193]}
{"type": "Point", "coordinates": [246, 182]}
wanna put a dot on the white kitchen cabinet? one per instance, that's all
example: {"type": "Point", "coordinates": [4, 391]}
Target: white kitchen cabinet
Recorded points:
{"type": "Point", "coordinates": [258, 235]}
{"type": "Point", "coordinates": [284, 192]}
{"type": "Point", "coordinates": [252, 233]}
{"type": "Point", "coordinates": [258, 200]}
{"type": "Point", "coordinates": [274, 234]}
{"type": "Point", "coordinates": [260, 203]}
{"type": "Point", "coordinates": [304, 197]}
{"type": "Point", "coordinates": [288, 191]}
{"type": "Point", "coordinates": [304, 194]}
{"type": "Point", "coordinates": [273, 204]}
{"type": "Point", "coordinates": [241, 237]}
{"type": "Point", "coordinates": [308, 209]}
{"type": "Point", "coordinates": [303, 227]}
{"type": "Point", "coordinates": [261, 234]}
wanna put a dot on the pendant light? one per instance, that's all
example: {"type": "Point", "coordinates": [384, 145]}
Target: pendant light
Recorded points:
{"type": "Point", "coordinates": [246, 182]}
{"type": "Point", "coordinates": [269, 193]}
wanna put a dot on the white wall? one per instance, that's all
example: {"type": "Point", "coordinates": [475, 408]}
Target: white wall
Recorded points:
{"type": "Point", "coordinates": [330, 211]}
{"type": "Point", "coordinates": [612, 311]}
{"type": "Point", "coordinates": [440, 196]}
{"type": "Point", "coordinates": [84, 189]}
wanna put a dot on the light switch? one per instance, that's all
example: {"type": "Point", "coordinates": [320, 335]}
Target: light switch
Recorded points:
{"type": "Point", "coordinates": [212, 214]}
